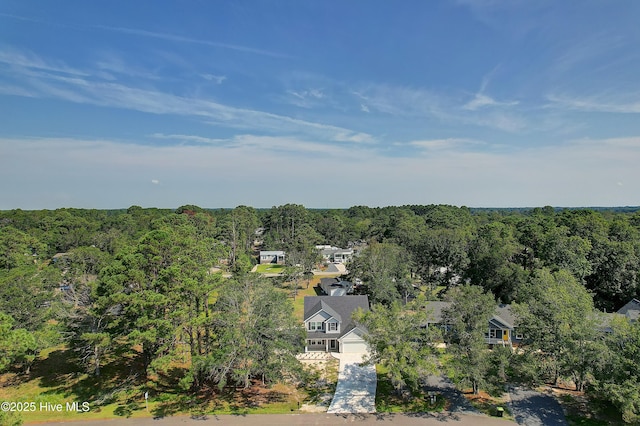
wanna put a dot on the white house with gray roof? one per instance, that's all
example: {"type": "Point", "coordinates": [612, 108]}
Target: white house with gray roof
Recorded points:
{"type": "Point", "coordinates": [335, 254]}
{"type": "Point", "coordinates": [329, 326]}
{"type": "Point", "coordinates": [272, 256]}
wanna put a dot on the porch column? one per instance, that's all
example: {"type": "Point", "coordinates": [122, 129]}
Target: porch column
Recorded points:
{"type": "Point", "coordinates": [326, 345]}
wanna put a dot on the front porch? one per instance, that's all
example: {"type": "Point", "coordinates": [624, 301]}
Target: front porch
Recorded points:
{"type": "Point", "coordinates": [322, 345]}
{"type": "Point", "coordinates": [497, 336]}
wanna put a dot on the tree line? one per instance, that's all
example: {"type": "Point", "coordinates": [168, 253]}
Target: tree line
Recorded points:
{"type": "Point", "coordinates": [142, 279]}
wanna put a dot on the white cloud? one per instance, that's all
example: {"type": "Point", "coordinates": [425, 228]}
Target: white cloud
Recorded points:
{"type": "Point", "coordinates": [181, 39]}
{"type": "Point", "coordinates": [25, 59]}
{"type": "Point", "coordinates": [266, 144]}
{"type": "Point", "coordinates": [481, 100]}
{"type": "Point", "coordinates": [576, 173]}
{"type": "Point", "coordinates": [626, 104]}
{"type": "Point", "coordinates": [364, 108]}
{"type": "Point", "coordinates": [441, 144]}
{"type": "Point", "coordinates": [33, 77]}
{"type": "Point", "coordinates": [218, 79]}
{"type": "Point", "coordinates": [155, 181]}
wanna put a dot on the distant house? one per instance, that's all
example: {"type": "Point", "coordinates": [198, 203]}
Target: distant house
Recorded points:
{"type": "Point", "coordinates": [335, 254]}
{"type": "Point", "coordinates": [276, 256]}
{"type": "Point", "coordinates": [335, 287]}
{"type": "Point", "coordinates": [501, 328]}
{"type": "Point", "coordinates": [631, 310]}
{"type": "Point", "coordinates": [329, 326]}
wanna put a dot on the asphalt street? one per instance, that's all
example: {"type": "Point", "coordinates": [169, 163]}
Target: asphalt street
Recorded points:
{"type": "Point", "coordinates": [324, 419]}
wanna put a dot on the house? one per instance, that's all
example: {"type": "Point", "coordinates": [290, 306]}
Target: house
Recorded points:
{"type": "Point", "coordinates": [631, 310]}
{"type": "Point", "coordinates": [329, 327]}
{"type": "Point", "coordinates": [335, 287]}
{"type": "Point", "coordinates": [276, 256]}
{"type": "Point", "coordinates": [335, 254]}
{"type": "Point", "coordinates": [501, 329]}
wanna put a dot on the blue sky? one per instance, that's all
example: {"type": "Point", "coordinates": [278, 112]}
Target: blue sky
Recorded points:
{"type": "Point", "coordinates": [107, 104]}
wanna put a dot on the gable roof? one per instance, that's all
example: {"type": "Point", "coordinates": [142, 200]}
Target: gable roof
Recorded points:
{"type": "Point", "coordinates": [321, 305]}
{"type": "Point", "coordinates": [631, 309]}
{"type": "Point", "coordinates": [341, 306]}
{"type": "Point", "coordinates": [329, 284]}
{"type": "Point", "coordinates": [271, 253]}
{"type": "Point", "coordinates": [502, 315]}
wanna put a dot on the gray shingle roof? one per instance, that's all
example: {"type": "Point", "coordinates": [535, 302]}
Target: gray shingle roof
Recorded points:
{"type": "Point", "coordinates": [631, 309]}
{"type": "Point", "coordinates": [342, 307]}
{"type": "Point", "coordinates": [503, 313]}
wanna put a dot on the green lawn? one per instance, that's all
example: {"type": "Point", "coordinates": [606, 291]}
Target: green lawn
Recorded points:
{"type": "Point", "coordinates": [119, 392]}
{"type": "Point", "coordinates": [270, 268]}
{"type": "Point", "coordinates": [298, 303]}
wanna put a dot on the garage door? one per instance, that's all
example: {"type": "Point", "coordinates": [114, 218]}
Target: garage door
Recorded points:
{"type": "Point", "coordinates": [351, 347]}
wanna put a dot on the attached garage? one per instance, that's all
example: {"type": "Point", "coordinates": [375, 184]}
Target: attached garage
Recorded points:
{"type": "Point", "coordinates": [352, 342]}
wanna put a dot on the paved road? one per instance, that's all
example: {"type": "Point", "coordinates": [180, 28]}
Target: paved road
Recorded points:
{"type": "Point", "coordinates": [424, 419]}
{"type": "Point", "coordinates": [534, 408]}
{"type": "Point", "coordinates": [356, 389]}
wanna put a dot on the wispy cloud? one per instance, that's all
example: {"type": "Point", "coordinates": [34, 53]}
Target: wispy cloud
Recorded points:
{"type": "Point", "coordinates": [182, 39]}
{"type": "Point", "coordinates": [263, 143]}
{"type": "Point", "coordinates": [481, 99]}
{"type": "Point", "coordinates": [421, 103]}
{"type": "Point", "coordinates": [23, 59]}
{"type": "Point", "coordinates": [218, 79]}
{"type": "Point", "coordinates": [597, 103]}
{"type": "Point", "coordinates": [445, 144]}
{"type": "Point", "coordinates": [34, 75]}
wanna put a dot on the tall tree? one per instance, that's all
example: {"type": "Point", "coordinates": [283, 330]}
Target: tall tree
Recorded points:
{"type": "Point", "coordinates": [254, 335]}
{"type": "Point", "coordinates": [618, 375]}
{"type": "Point", "coordinates": [494, 261]}
{"type": "Point", "coordinates": [467, 320]}
{"type": "Point", "coordinates": [560, 326]}
{"type": "Point", "coordinates": [400, 342]}
{"type": "Point", "coordinates": [383, 267]}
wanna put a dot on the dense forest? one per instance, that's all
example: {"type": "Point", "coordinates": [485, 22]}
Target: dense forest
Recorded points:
{"type": "Point", "coordinates": [173, 287]}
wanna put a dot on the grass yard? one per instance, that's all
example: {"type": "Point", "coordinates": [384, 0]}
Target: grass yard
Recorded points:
{"type": "Point", "coordinates": [119, 392]}
{"type": "Point", "coordinates": [298, 303]}
{"type": "Point", "coordinates": [270, 268]}
{"type": "Point", "coordinates": [584, 411]}
{"type": "Point", "coordinates": [388, 400]}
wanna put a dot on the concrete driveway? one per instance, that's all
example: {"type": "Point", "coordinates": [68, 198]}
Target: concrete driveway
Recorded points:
{"type": "Point", "coordinates": [533, 408]}
{"type": "Point", "coordinates": [356, 389]}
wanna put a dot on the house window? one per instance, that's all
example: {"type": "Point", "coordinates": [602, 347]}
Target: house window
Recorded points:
{"type": "Point", "coordinates": [315, 326]}
{"type": "Point", "coordinates": [333, 326]}
{"type": "Point", "coordinates": [495, 334]}
{"type": "Point", "coordinates": [519, 335]}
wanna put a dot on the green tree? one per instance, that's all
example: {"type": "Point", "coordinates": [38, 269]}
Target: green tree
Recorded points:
{"type": "Point", "coordinates": [254, 335]}
{"type": "Point", "coordinates": [400, 342]}
{"type": "Point", "coordinates": [467, 319]}
{"type": "Point", "coordinates": [17, 345]}
{"type": "Point", "coordinates": [618, 378]}
{"type": "Point", "coordinates": [560, 325]}
{"type": "Point", "coordinates": [240, 230]}
{"type": "Point", "coordinates": [495, 261]}
{"type": "Point", "coordinates": [383, 267]}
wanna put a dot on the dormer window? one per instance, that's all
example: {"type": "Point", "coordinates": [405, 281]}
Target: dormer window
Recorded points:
{"type": "Point", "coordinates": [333, 326]}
